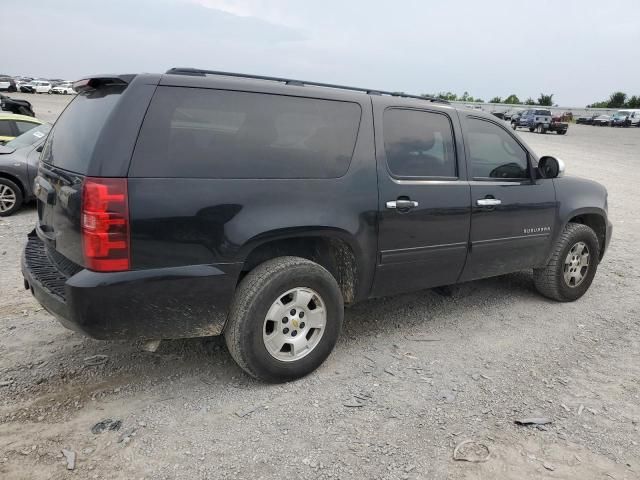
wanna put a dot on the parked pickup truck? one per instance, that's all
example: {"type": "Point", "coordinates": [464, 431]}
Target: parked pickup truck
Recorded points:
{"type": "Point", "coordinates": [200, 203]}
{"type": "Point", "coordinates": [539, 120]}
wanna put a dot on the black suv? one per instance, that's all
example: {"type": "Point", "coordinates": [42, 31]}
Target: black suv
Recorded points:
{"type": "Point", "coordinates": [199, 203]}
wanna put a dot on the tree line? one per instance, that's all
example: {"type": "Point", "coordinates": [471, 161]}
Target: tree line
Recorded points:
{"type": "Point", "coordinates": [618, 100]}
{"type": "Point", "coordinates": [544, 99]}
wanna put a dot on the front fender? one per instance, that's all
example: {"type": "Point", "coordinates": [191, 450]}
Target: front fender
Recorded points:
{"type": "Point", "coordinates": [578, 197]}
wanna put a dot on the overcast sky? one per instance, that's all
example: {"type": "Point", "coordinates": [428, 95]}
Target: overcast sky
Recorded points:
{"type": "Point", "coordinates": [579, 50]}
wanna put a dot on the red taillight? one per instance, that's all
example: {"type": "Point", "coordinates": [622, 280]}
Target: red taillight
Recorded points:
{"type": "Point", "coordinates": [105, 224]}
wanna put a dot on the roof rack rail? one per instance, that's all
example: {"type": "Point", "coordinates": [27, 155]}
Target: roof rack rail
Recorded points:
{"type": "Point", "coordinates": [299, 83]}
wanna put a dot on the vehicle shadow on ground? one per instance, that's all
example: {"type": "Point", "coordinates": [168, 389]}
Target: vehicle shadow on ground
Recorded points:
{"type": "Point", "coordinates": [365, 320]}
{"type": "Point", "coordinates": [208, 359]}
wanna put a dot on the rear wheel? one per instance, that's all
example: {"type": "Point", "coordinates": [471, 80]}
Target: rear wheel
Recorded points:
{"type": "Point", "coordinates": [572, 266]}
{"type": "Point", "coordinates": [285, 319]}
{"type": "Point", "coordinates": [540, 128]}
{"type": "Point", "coordinates": [10, 197]}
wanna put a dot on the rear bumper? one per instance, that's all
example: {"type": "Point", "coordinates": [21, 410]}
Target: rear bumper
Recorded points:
{"type": "Point", "coordinates": [176, 302]}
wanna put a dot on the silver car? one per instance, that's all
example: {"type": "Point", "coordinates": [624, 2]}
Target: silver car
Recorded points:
{"type": "Point", "coordinates": [18, 167]}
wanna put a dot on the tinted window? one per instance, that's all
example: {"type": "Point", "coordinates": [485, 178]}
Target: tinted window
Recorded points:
{"type": "Point", "coordinates": [418, 144]}
{"type": "Point", "coordinates": [71, 142]}
{"type": "Point", "coordinates": [494, 153]}
{"type": "Point", "coordinates": [5, 128]}
{"type": "Point", "coordinates": [191, 132]}
{"type": "Point", "coordinates": [24, 127]}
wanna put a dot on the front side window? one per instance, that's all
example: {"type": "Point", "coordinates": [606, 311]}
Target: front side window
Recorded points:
{"type": "Point", "coordinates": [419, 144]}
{"type": "Point", "coordinates": [494, 153]}
{"type": "Point", "coordinates": [24, 127]}
{"type": "Point", "coordinates": [206, 133]}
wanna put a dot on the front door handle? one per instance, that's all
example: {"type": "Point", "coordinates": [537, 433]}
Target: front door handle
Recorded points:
{"type": "Point", "coordinates": [488, 202]}
{"type": "Point", "coordinates": [402, 204]}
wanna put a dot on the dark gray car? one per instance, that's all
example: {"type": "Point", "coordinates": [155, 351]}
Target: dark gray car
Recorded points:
{"type": "Point", "coordinates": [18, 167]}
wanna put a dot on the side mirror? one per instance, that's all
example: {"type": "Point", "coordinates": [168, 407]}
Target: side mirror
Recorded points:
{"type": "Point", "coordinates": [550, 167]}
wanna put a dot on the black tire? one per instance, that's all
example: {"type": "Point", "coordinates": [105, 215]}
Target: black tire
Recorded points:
{"type": "Point", "coordinates": [532, 129]}
{"type": "Point", "coordinates": [255, 295]}
{"type": "Point", "coordinates": [513, 125]}
{"type": "Point", "coordinates": [550, 281]}
{"type": "Point", "coordinates": [8, 184]}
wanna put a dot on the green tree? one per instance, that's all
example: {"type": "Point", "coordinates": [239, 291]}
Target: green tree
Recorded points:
{"type": "Point", "coordinates": [512, 99]}
{"type": "Point", "coordinates": [545, 100]}
{"type": "Point", "coordinates": [495, 100]}
{"type": "Point", "coordinates": [447, 96]}
{"type": "Point", "coordinates": [617, 99]}
{"type": "Point", "coordinates": [530, 101]}
{"type": "Point", "coordinates": [634, 102]}
{"type": "Point", "coordinates": [599, 105]}
{"type": "Point", "coordinates": [479, 100]}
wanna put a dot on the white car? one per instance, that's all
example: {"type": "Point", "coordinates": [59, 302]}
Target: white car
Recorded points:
{"type": "Point", "coordinates": [63, 89]}
{"type": "Point", "coordinates": [633, 116]}
{"type": "Point", "coordinates": [5, 84]}
{"type": "Point", "coordinates": [41, 86]}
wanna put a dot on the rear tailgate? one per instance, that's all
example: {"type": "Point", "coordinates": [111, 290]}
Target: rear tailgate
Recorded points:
{"type": "Point", "coordinates": [93, 137]}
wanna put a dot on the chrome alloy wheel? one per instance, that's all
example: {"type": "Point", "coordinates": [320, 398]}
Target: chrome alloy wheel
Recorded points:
{"type": "Point", "coordinates": [294, 324]}
{"type": "Point", "coordinates": [7, 198]}
{"type": "Point", "coordinates": [576, 265]}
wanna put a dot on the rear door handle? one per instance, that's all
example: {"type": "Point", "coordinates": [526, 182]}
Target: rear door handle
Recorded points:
{"type": "Point", "coordinates": [488, 202]}
{"type": "Point", "coordinates": [402, 204]}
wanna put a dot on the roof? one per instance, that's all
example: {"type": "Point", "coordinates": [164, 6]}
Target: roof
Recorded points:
{"type": "Point", "coordinates": [15, 116]}
{"type": "Point", "coordinates": [196, 72]}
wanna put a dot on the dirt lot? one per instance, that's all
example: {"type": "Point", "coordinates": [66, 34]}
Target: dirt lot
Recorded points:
{"type": "Point", "coordinates": [412, 376]}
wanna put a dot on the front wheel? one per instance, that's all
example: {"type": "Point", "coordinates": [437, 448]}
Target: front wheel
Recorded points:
{"type": "Point", "coordinates": [10, 197]}
{"type": "Point", "coordinates": [572, 266]}
{"type": "Point", "coordinates": [285, 319]}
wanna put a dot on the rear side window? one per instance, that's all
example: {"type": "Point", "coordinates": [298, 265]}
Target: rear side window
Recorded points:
{"type": "Point", "coordinates": [494, 153]}
{"type": "Point", "coordinates": [71, 142]}
{"type": "Point", "coordinates": [418, 144]}
{"type": "Point", "coordinates": [204, 133]}
{"type": "Point", "coordinates": [24, 127]}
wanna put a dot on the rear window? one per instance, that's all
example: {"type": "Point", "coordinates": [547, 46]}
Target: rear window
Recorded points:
{"type": "Point", "coordinates": [191, 132]}
{"type": "Point", "coordinates": [543, 112]}
{"type": "Point", "coordinates": [71, 142]}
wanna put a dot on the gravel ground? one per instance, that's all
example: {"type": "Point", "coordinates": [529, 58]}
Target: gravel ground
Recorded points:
{"type": "Point", "coordinates": [46, 107]}
{"type": "Point", "coordinates": [412, 377]}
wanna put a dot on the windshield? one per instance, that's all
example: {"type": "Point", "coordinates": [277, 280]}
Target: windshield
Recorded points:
{"type": "Point", "coordinates": [621, 114]}
{"type": "Point", "coordinates": [30, 137]}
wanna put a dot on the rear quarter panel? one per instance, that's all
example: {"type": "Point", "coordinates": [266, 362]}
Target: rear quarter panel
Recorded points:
{"type": "Point", "coordinates": [194, 221]}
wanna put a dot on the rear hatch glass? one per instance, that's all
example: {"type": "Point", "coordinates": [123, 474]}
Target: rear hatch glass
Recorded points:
{"type": "Point", "coordinates": [74, 136]}
{"type": "Point", "coordinates": [66, 160]}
